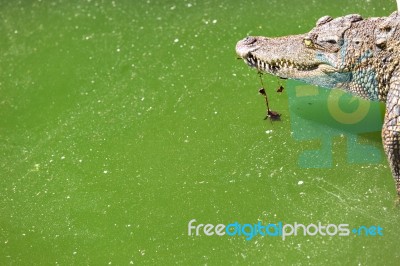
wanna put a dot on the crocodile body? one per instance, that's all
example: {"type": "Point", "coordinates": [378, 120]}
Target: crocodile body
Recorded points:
{"type": "Point", "coordinates": [359, 55]}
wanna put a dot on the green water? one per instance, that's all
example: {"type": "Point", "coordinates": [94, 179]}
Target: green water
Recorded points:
{"type": "Point", "coordinates": [121, 121]}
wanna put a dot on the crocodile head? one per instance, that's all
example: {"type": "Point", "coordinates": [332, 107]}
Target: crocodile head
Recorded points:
{"type": "Point", "coordinates": [326, 56]}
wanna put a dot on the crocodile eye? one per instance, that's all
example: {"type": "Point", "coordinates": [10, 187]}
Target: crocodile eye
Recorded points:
{"type": "Point", "coordinates": [308, 42]}
{"type": "Point", "coordinates": [331, 41]}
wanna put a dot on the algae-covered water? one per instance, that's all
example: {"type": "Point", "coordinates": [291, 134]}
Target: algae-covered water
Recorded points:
{"type": "Point", "coordinates": [122, 121]}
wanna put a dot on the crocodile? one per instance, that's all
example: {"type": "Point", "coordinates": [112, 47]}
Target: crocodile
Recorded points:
{"type": "Point", "coordinates": [360, 56]}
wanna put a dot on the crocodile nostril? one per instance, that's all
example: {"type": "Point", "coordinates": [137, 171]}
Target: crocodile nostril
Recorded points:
{"type": "Point", "coordinates": [249, 40]}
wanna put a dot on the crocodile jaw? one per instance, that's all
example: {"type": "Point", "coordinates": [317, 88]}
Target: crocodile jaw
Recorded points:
{"type": "Point", "coordinates": [297, 62]}
{"type": "Point", "coordinates": [285, 68]}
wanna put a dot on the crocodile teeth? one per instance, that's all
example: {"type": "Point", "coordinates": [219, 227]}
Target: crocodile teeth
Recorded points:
{"type": "Point", "coordinates": [250, 61]}
{"type": "Point", "coordinates": [276, 64]}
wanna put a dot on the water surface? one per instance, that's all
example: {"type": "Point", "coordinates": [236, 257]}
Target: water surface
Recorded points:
{"type": "Point", "coordinates": [121, 121]}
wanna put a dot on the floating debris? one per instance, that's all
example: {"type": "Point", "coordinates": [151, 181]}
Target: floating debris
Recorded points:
{"type": "Point", "coordinates": [272, 115]}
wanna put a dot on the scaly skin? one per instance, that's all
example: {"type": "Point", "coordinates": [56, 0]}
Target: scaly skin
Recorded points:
{"type": "Point", "coordinates": [358, 55]}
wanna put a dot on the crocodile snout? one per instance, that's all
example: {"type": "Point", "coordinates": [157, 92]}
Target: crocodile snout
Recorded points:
{"type": "Point", "coordinates": [246, 46]}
